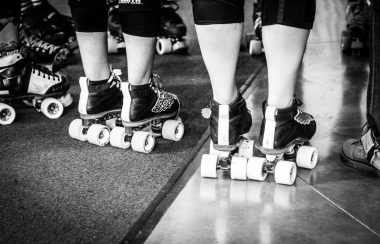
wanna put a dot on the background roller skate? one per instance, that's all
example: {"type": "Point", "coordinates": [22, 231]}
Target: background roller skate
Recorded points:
{"type": "Point", "coordinates": [355, 39]}
{"type": "Point", "coordinates": [172, 30]}
{"type": "Point", "coordinates": [254, 41]}
{"type": "Point", "coordinates": [228, 150]}
{"type": "Point", "coordinates": [35, 85]}
{"type": "Point", "coordinates": [284, 139]}
{"type": "Point", "coordinates": [148, 112]}
{"type": "Point", "coordinates": [115, 37]}
{"type": "Point", "coordinates": [99, 107]}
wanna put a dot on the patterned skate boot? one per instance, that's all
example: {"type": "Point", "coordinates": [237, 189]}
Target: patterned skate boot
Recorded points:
{"type": "Point", "coordinates": [116, 43]}
{"type": "Point", "coordinates": [356, 36]}
{"type": "Point", "coordinates": [228, 149]}
{"type": "Point", "coordinates": [35, 85]}
{"type": "Point", "coordinates": [148, 112]}
{"type": "Point", "coordinates": [255, 40]}
{"type": "Point", "coordinates": [284, 139]}
{"type": "Point", "coordinates": [363, 153]}
{"type": "Point", "coordinates": [172, 30]}
{"type": "Point", "coordinates": [100, 104]}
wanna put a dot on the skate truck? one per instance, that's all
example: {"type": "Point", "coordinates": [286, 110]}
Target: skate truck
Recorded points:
{"type": "Point", "coordinates": [254, 41]}
{"type": "Point", "coordinates": [172, 30]}
{"type": "Point", "coordinates": [355, 38]}
{"type": "Point", "coordinates": [32, 84]}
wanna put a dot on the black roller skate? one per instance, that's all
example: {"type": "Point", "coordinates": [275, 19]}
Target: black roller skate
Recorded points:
{"type": "Point", "coordinates": [45, 53]}
{"type": "Point", "coordinates": [100, 104]}
{"type": "Point", "coordinates": [228, 149]}
{"type": "Point", "coordinates": [355, 39]}
{"type": "Point", "coordinates": [284, 139]}
{"type": "Point", "coordinates": [35, 85]}
{"type": "Point", "coordinates": [148, 112]}
{"type": "Point", "coordinates": [254, 41]}
{"type": "Point", "coordinates": [172, 30]}
{"type": "Point", "coordinates": [116, 43]}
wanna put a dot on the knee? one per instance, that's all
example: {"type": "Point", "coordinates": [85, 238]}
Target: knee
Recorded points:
{"type": "Point", "coordinates": [218, 11]}
{"type": "Point", "coordinates": [294, 13]}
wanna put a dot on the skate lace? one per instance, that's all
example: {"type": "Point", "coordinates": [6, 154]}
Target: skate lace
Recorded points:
{"type": "Point", "coordinates": [355, 14]}
{"type": "Point", "coordinates": [44, 72]}
{"type": "Point", "coordinates": [156, 83]}
{"type": "Point", "coordinates": [38, 44]}
{"type": "Point", "coordinates": [115, 79]}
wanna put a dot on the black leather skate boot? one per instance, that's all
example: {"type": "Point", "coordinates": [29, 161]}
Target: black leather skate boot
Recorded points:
{"type": "Point", "coordinates": [145, 103]}
{"type": "Point", "coordinates": [228, 123]}
{"type": "Point", "coordinates": [281, 128]}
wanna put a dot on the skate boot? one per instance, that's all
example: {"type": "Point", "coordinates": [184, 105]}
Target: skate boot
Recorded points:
{"type": "Point", "coordinates": [100, 104]}
{"type": "Point", "coordinates": [284, 139]}
{"type": "Point", "coordinates": [116, 43]}
{"type": "Point", "coordinates": [45, 53]}
{"type": "Point", "coordinates": [172, 30]}
{"type": "Point", "coordinates": [148, 112]}
{"type": "Point", "coordinates": [228, 149]}
{"type": "Point", "coordinates": [35, 85]}
{"type": "Point", "coordinates": [356, 36]}
{"type": "Point", "coordinates": [363, 153]}
{"type": "Point", "coordinates": [255, 40]}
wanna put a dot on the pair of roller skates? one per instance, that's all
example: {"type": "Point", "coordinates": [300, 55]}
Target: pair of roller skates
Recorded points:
{"type": "Point", "coordinates": [254, 41]}
{"type": "Point", "coordinates": [284, 137]}
{"type": "Point", "coordinates": [35, 85]}
{"type": "Point", "coordinates": [355, 39]}
{"type": "Point", "coordinates": [126, 116]}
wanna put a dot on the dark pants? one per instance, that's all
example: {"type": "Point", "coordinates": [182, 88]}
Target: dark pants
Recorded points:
{"type": "Point", "coordinates": [373, 92]}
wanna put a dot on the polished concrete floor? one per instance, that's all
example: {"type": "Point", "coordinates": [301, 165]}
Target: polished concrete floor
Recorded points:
{"type": "Point", "coordinates": [331, 204]}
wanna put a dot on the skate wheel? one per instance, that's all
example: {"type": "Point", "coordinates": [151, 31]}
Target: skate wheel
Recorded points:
{"type": "Point", "coordinates": [7, 114]}
{"type": "Point", "coordinates": [76, 130]}
{"type": "Point", "coordinates": [239, 168]}
{"type": "Point", "coordinates": [256, 169]}
{"type": "Point", "coordinates": [307, 157]}
{"type": "Point", "coordinates": [179, 46]}
{"type": "Point", "coordinates": [163, 46]}
{"type": "Point", "coordinates": [285, 172]}
{"type": "Point", "coordinates": [173, 130]}
{"type": "Point", "coordinates": [255, 47]}
{"type": "Point", "coordinates": [98, 134]}
{"type": "Point", "coordinates": [208, 165]}
{"type": "Point", "coordinates": [246, 148]}
{"type": "Point", "coordinates": [51, 108]}
{"type": "Point", "coordinates": [142, 141]}
{"type": "Point", "coordinates": [118, 138]}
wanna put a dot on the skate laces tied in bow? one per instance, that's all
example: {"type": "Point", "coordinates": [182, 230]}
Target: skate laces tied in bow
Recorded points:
{"type": "Point", "coordinates": [45, 72]}
{"type": "Point", "coordinates": [115, 79]}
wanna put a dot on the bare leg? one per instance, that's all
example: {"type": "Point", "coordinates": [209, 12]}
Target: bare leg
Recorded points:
{"type": "Point", "coordinates": [284, 49]}
{"type": "Point", "coordinates": [220, 46]}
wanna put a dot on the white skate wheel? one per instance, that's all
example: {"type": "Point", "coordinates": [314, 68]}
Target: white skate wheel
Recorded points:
{"type": "Point", "coordinates": [285, 172]}
{"type": "Point", "coordinates": [246, 148]}
{"type": "Point", "coordinates": [239, 168]}
{"type": "Point", "coordinates": [51, 108]}
{"type": "Point", "coordinates": [178, 46]}
{"type": "Point", "coordinates": [255, 169]}
{"type": "Point", "coordinates": [163, 46]}
{"type": "Point", "coordinates": [208, 165]}
{"type": "Point", "coordinates": [118, 138]}
{"type": "Point", "coordinates": [7, 114]}
{"type": "Point", "coordinates": [255, 47]}
{"type": "Point", "coordinates": [98, 134]}
{"type": "Point", "coordinates": [173, 130]}
{"type": "Point", "coordinates": [142, 141]}
{"type": "Point", "coordinates": [76, 130]}
{"type": "Point", "coordinates": [307, 157]}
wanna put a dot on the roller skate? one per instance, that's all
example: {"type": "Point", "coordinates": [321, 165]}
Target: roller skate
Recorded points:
{"type": "Point", "coordinates": [116, 43]}
{"type": "Point", "coordinates": [228, 149]}
{"type": "Point", "coordinates": [355, 38]}
{"type": "Point", "coordinates": [148, 112]}
{"type": "Point", "coordinates": [254, 40]}
{"type": "Point", "coordinates": [172, 30]}
{"type": "Point", "coordinates": [284, 139]}
{"type": "Point", "coordinates": [35, 85]}
{"type": "Point", "coordinates": [99, 107]}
